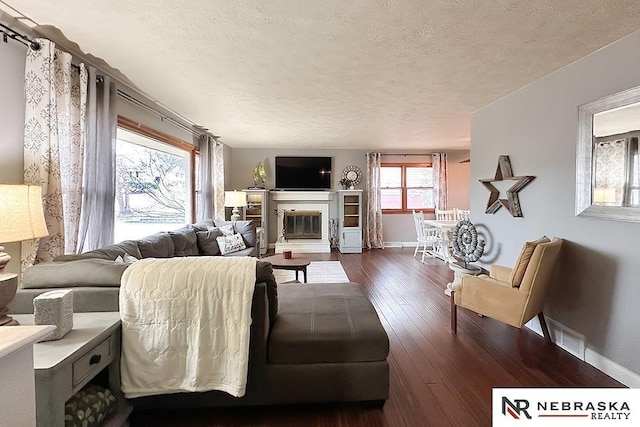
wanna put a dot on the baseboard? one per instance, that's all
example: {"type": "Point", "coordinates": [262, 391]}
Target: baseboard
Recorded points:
{"type": "Point", "coordinates": [575, 343]}
{"type": "Point", "coordinates": [613, 369]}
{"type": "Point", "coordinates": [400, 244]}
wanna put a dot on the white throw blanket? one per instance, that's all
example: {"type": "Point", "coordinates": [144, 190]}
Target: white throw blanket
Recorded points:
{"type": "Point", "coordinates": [185, 325]}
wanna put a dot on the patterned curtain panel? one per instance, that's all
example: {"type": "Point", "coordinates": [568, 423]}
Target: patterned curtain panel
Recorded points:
{"type": "Point", "coordinates": [439, 165]}
{"type": "Point", "coordinates": [211, 179]}
{"type": "Point", "coordinates": [55, 114]}
{"type": "Point", "coordinates": [610, 171]}
{"type": "Point", "coordinates": [373, 216]}
{"type": "Point", "coordinates": [98, 202]}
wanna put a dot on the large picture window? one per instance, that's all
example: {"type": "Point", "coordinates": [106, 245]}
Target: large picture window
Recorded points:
{"type": "Point", "coordinates": [406, 187]}
{"type": "Point", "coordinates": [154, 185]}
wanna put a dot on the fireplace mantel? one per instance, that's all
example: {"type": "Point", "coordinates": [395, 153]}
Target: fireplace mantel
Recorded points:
{"type": "Point", "coordinates": [302, 195]}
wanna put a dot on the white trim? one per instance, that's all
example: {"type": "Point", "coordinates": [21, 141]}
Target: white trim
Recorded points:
{"type": "Point", "coordinates": [302, 195]}
{"type": "Point", "coordinates": [306, 246]}
{"type": "Point", "coordinates": [593, 358]}
{"type": "Point", "coordinates": [613, 369]}
{"type": "Point", "coordinates": [400, 244]}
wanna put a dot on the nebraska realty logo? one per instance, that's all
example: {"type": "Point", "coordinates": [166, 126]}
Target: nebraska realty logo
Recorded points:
{"type": "Point", "coordinates": [574, 406]}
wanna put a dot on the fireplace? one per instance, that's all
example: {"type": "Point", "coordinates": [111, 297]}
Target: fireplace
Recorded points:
{"type": "Point", "coordinates": [302, 220]}
{"type": "Point", "coordinates": [302, 224]}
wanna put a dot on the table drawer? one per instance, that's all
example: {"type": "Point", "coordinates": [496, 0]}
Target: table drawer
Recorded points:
{"type": "Point", "coordinates": [93, 361]}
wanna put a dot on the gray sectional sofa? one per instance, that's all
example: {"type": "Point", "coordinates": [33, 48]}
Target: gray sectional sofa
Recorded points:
{"type": "Point", "coordinates": [94, 276]}
{"type": "Point", "coordinates": [308, 343]}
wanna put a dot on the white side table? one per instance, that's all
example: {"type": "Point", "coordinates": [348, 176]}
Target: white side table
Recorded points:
{"type": "Point", "coordinates": [458, 272]}
{"type": "Point", "coordinates": [18, 392]}
{"type": "Point", "coordinates": [64, 366]}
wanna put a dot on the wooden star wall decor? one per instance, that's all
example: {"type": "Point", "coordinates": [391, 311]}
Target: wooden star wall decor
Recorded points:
{"type": "Point", "coordinates": [512, 202]}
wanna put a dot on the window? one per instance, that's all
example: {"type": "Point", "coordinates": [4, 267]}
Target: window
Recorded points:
{"type": "Point", "coordinates": [406, 186]}
{"type": "Point", "coordinates": [154, 183]}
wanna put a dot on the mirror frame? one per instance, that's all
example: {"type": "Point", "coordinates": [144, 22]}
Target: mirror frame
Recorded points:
{"type": "Point", "coordinates": [584, 157]}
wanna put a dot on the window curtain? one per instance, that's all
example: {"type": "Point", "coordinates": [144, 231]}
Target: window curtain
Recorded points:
{"type": "Point", "coordinates": [54, 136]}
{"type": "Point", "coordinates": [373, 216]}
{"type": "Point", "coordinates": [439, 166]}
{"type": "Point", "coordinates": [210, 179]}
{"type": "Point", "coordinates": [98, 202]}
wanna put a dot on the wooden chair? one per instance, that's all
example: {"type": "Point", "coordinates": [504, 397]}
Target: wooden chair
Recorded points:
{"type": "Point", "coordinates": [511, 295]}
{"type": "Point", "coordinates": [462, 214]}
{"type": "Point", "coordinates": [445, 215]}
{"type": "Point", "coordinates": [426, 236]}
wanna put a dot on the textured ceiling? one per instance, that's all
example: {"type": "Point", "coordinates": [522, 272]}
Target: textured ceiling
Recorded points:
{"type": "Point", "coordinates": [385, 75]}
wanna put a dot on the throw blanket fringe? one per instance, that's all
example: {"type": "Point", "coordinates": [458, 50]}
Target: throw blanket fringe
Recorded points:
{"type": "Point", "coordinates": [185, 325]}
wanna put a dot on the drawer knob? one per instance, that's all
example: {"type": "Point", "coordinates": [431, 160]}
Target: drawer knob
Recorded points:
{"type": "Point", "coordinates": [95, 359]}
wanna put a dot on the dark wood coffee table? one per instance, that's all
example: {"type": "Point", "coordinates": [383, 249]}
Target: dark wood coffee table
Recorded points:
{"type": "Point", "coordinates": [295, 263]}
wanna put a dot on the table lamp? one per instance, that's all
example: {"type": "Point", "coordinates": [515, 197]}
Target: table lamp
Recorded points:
{"type": "Point", "coordinates": [21, 218]}
{"type": "Point", "coordinates": [235, 199]}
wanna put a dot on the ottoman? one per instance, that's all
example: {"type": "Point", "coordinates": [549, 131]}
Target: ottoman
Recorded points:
{"type": "Point", "coordinates": [328, 344]}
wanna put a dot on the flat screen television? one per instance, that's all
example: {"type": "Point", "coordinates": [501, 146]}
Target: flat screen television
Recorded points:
{"type": "Point", "coordinates": [303, 173]}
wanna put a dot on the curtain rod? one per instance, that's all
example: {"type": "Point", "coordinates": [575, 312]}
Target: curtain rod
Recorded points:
{"type": "Point", "coordinates": [164, 117]}
{"type": "Point", "coordinates": [10, 33]}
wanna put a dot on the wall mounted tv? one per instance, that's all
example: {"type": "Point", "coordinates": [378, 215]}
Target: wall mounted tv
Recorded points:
{"type": "Point", "coordinates": [303, 173]}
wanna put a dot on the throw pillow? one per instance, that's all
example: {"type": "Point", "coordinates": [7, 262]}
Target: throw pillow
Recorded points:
{"type": "Point", "coordinates": [89, 407]}
{"type": "Point", "coordinates": [230, 244]}
{"type": "Point", "coordinates": [226, 230]}
{"type": "Point", "coordinates": [130, 259]}
{"type": "Point", "coordinates": [517, 273]}
{"type": "Point", "coordinates": [207, 243]}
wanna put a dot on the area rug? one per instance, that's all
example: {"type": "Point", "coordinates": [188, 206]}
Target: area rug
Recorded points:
{"type": "Point", "coordinates": [317, 272]}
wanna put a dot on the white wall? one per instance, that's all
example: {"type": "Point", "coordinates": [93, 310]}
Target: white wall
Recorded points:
{"type": "Point", "coordinates": [596, 291]}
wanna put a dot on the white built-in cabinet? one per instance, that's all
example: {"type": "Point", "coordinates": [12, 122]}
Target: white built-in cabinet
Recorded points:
{"type": "Point", "coordinates": [350, 221]}
{"type": "Point", "coordinates": [256, 211]}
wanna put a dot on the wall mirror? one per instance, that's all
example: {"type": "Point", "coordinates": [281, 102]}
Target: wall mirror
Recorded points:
{"type": "Point", "coordinates": [607, 163]}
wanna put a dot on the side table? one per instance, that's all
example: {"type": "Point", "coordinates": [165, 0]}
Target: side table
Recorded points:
{"type": "Point", "coordinates": [18, 392]}
{"type": "Point", "coordinates": [64, 366]}
{"type": "Point", "coordinates": [458, 272]}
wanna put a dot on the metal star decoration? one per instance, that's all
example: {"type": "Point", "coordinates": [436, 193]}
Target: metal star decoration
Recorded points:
{"type": "Point", "coordinates": [512, 202]}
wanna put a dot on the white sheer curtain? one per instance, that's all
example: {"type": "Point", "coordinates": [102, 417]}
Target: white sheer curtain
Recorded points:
{"type": "Point", "coordinates": [98, 206]}
{"type": "Point", "coordinates": [373, 216]}
{"type": "Point", "coordinates": [55, 95]}
{"type": "Point", "coordinates": [439, 166]}
{"type": "Point", "coordinates": [211, 179]}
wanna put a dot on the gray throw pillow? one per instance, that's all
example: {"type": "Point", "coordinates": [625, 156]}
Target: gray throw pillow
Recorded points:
{"type": "Point", "coordinates": [159, 245]}
{"type": "Point", "coordinates": [185, 241]}
{"type": "Point", "coordinates": [207, 242]}
{"type": "Point", "coordinates": [84, 272]}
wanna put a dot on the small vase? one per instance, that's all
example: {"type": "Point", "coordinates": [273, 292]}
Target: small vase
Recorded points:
{"type": "Point", "coordinates": [351, 187]}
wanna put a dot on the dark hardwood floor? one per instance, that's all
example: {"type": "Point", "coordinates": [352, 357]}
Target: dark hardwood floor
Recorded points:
{"type": "Point", "coordinates": [436, 378]}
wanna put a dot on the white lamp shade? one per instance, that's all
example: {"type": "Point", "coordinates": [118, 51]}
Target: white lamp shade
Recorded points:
{"type": "Point", "coordinates": [235, 199]}
{"type": "Point", "coordinates": [21, 214]}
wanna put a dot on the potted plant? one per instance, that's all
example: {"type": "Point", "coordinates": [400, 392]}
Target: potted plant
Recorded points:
{"type": "Point", "coordinates": [346, 183]}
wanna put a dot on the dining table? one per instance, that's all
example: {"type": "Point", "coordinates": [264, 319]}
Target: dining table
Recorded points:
{"type": "Point", "coordinates": [445, 226]}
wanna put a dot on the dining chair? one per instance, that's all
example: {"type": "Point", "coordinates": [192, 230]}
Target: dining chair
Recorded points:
{"type": "Point", "coordinates": [445, 215]}
{"type": "Point", "coordinates": [462, 214]}
{"type": "Point", "coordinates": [426, 236]}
